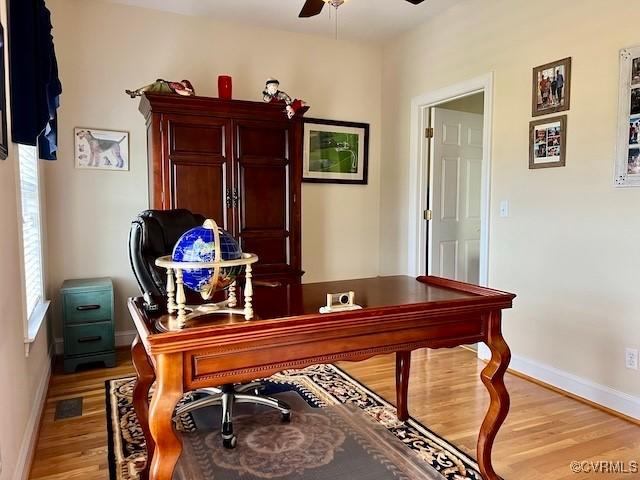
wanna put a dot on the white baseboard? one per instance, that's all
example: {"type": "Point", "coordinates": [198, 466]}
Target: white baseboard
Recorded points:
{"type": "Point", "coordinates": [602, 395]}
{"type": "Point", "coordinates": [30, 437]}
{"type": "Point", "coordinates": [123, 339]}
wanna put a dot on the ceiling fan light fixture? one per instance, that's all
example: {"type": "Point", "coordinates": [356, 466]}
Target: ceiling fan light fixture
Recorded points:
{"type": "Point", "coordinates": [311, 8]}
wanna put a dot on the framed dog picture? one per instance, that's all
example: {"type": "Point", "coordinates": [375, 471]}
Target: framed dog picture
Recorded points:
{"type": "Point", "coordinates": [101, 149]}
{"type": "Point", "coordinates": [551, 87]}
{"type": "Point", "coordinates": [547, 142]}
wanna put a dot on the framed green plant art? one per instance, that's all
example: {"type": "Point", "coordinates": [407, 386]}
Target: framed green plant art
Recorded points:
{"type": "Point", "coordinates": [335, 152]}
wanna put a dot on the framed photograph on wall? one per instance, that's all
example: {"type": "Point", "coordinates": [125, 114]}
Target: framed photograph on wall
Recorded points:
{"type": "Point", "coordinates": [627, 166]}
{"type": "Point", "coordinates": [551, 87]}
{"type": "Point", "coordinates": [547, 142]}
{"type": "Point", "coordinates": [99, 149]}
{"type": "Point", "coordinates": [335, 152]}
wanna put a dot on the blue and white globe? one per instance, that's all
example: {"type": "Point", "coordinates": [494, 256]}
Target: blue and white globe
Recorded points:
{"type": "Point", "coordinates": [198, 245]}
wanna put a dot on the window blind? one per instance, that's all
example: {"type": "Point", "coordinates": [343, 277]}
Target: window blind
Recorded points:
{"type": "Point", "coordinates": [31, 232]}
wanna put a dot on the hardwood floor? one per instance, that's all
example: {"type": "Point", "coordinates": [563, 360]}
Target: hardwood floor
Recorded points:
{"type": "Point", "coordinates": [543, 433]}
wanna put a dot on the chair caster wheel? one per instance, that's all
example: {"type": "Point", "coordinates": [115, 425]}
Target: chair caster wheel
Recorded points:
{"type": "Point", "coordinates": [286, 417]}
{"type": "Point", "coordinates": [230, 443]}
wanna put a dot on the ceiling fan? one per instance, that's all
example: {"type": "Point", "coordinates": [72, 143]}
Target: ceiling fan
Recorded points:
{"type": "Point", "coordinates": [312, 8]}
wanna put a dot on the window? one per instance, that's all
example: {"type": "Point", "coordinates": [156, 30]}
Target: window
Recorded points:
{"type": "Point", "coordinates": [31, 238]}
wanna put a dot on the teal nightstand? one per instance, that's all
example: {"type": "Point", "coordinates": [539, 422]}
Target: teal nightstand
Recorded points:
{"type": "Point", "coordinates": [88, 322]}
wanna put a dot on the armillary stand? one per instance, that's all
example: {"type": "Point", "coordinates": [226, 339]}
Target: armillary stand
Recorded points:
{"type": "Point", "coordinates": [176, 298]}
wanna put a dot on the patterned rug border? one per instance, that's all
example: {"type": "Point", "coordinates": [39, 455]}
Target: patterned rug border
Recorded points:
{"type": "Point", "coordinates": [421, 428]}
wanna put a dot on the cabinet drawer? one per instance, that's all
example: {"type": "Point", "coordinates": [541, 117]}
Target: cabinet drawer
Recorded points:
{"type": "Point", "coordinates": [89, 338]}
{"type": "Point", "coordinates": [87, 307]}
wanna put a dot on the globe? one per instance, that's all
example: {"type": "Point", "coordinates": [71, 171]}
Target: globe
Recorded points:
{"type": "Point", "coordinates": [198, 245]}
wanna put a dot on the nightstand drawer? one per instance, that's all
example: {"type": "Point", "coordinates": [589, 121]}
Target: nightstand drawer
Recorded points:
{"type": "Point", "coordinates": [87, 306]}
{"type": "Point", "coordinates": [88, 338]}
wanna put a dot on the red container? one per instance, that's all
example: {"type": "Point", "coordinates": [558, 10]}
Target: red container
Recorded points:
{"type": "Point", "coordinates": [224, 87]}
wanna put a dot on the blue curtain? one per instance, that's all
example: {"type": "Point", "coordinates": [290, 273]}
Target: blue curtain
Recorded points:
{"type": "Point", "coordinates": [33, 72]}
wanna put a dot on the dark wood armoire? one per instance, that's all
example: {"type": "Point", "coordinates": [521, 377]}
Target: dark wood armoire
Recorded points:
{"type": "Point", "coordinates": [237, 162]}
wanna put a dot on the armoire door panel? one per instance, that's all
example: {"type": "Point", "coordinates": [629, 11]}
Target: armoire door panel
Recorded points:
{"type": "Point", "coordinates": [199, 171]}
{"type": "Point", "coordinates": [263, 177]}
{"type": "Point", "coordinates": [262, 140]}
{"type": "Point", "coordinates": [201, 189]}
{"type": "Point", "coordinates": [186, 138]}
{"type": "Point", "coordinates": [264, 186]}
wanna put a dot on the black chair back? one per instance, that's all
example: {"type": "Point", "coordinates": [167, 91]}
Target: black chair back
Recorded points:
{"type": "Point", "coordinates": [153, 234]}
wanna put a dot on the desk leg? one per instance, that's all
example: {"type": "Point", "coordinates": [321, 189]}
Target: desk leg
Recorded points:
{"type": "Point", "coordinates": [146, 377]}
{"type": "Point", "coordinates": [403, 364]}
{"type": "Point", "coordinates": [168, 393]}
{"type": "Point", "coordinates": [493, 378]}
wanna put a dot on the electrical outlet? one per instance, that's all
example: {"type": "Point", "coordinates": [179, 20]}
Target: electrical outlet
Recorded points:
{"type": "Point", "coordinates": [504, 208]}
{"type": "Point", "coordinates": [631, 358]}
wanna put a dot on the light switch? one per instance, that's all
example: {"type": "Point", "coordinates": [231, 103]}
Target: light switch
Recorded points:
{"type": "Point", "coordinates": [504, 208]}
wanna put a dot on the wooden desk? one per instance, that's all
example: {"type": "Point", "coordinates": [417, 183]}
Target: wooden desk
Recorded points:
{"type": "Point", "coordinates": [400, 314]}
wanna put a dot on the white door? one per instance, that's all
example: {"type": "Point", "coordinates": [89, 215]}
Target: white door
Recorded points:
{"type": "Point", "coordinates": [455, 189]}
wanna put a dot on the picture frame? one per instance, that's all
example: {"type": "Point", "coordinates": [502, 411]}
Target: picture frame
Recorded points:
{"type": "Point", "coordinates": [4, 144]}
{"type": "Point", "coordinates": [551, 88]}
{"type": "Point", "coordinates": [335, 152]}
{"type": "Point", "coordinates": [101, 149]}
{"type": "Point", "coordinates": [627, 161]}
{"type": "Point", "coordinates": [548, 142]}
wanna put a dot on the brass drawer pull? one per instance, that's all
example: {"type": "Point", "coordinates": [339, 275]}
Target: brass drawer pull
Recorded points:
{"type": "Point", "coordinates": [94, 338]}
{"type": "Point", "coordinates": [83, 308]}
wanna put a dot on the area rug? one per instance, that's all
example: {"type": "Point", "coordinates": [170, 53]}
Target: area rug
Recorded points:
{"type": "Point", "coordinates": [339, 429]}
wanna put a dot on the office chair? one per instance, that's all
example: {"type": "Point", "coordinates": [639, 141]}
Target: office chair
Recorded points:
{"type": "Point", "coordinates": [153, 234]}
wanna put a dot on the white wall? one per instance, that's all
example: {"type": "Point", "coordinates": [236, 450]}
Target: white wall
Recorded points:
{"type": "Point", "coordinates": [21, 378]}
{"type": "Point", "coordinates": [570, 247]}
{"type": "Point", "coordinates": [104, 48]}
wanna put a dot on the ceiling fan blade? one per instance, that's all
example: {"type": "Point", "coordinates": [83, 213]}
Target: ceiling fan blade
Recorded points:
{"type": "Point", "coordinates": [311, 8]}
{"type": "Point", "coordinates": [415, 2]}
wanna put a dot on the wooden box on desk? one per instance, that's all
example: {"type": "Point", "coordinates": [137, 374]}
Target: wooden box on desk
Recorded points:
{"type": "Point", "coordinates": [88, 322]}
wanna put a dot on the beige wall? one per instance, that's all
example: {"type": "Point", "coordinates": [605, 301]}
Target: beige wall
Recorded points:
{"type": "Point", "coordinates": [90, 212]}
{"type": "Point", "coordinates": [20, 376]}
{"type": "Point", "coordinates": [570, 247]}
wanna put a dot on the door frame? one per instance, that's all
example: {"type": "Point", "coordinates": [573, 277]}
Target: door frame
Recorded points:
{"type": "Point", "coordinates": [419, 170]}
